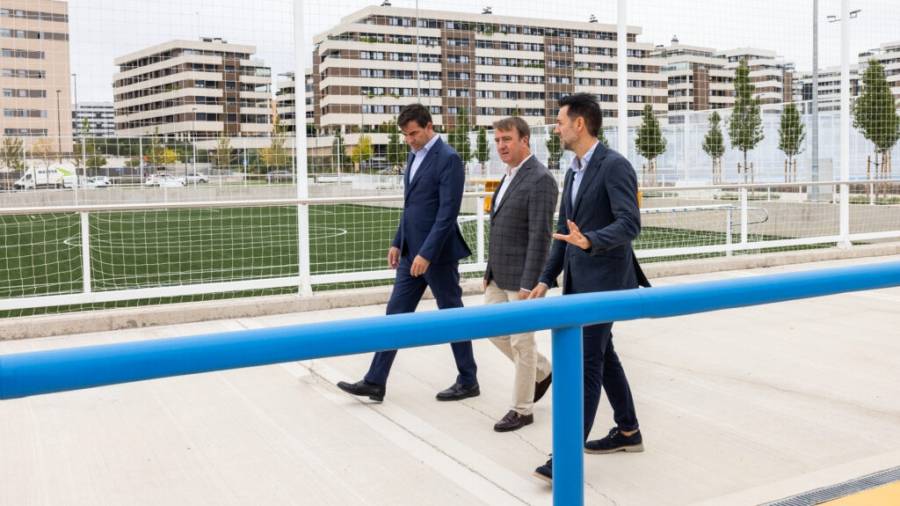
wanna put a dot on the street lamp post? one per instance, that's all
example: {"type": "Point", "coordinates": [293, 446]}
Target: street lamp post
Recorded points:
{"type": "Point", "coordinates": [194, 143]}
{"type": "Point", "coordinates": [846, 16]}
{"type": "Point", "coordinates": [58, 129]}
{"type": "Point", "coordinates": [75, 87]}
{"type": "Point", "coordinates": [814, 141]}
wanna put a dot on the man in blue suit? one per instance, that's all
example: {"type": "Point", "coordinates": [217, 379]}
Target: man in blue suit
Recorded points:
{"type": "Point", "coordinates": [598, 219]}
{"type": "Point", "coordinates": [426, 249]}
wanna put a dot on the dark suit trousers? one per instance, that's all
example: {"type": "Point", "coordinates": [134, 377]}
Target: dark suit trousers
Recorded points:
{"type": "Point", "coordinates": [443, 279]}
{"type": "Point", "coordinates": [602, 369]}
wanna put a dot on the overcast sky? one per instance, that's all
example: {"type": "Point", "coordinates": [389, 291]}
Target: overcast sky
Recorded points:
{"type": "Point", "coordinates": [104, 29]}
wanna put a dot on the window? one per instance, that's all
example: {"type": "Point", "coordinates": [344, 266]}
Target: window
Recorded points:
{"type": "Point", "coordinates": [24, 113]}
{"type": "Point", "coordinates": [23, 93]}
{"type": "Point", "coordinates": [25, 132]}
{"type": "Point", "coordinates": [24, 73]}
{"type": "Point", "coordinates": [21, 53]}
{"type": "Point", "coordinates": [31, 34]}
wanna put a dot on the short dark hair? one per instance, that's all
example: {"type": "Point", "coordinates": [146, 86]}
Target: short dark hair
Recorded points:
{"type": "Point", "coordinates": [414, 112]}
{"type": "Point", "coordinates": [514, 123]}
{"type": "Point", "coordinates": [584, 105]}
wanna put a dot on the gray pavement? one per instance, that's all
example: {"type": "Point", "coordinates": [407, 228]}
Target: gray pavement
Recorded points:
{"type": "Point", "coordinates": [739, 406]}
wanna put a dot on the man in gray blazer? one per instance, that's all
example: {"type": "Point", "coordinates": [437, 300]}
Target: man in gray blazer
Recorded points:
{"type": "Point", "coordinates": [521, 226]}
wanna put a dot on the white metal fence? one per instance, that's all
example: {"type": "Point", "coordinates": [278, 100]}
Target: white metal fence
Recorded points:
{"type": "Point", "coordinates": [95, 255]}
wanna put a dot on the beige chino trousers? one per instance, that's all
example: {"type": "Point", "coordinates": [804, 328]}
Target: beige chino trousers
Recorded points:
{"type": "Point", "coordinates": [530, 365]}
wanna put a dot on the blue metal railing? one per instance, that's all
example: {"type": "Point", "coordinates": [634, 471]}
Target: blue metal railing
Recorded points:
{"type": "Point", "coordinates": [42, 372]}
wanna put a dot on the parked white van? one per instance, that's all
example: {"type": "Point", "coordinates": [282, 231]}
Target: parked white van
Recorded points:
{"type": "Point", "coordinates": [57, 175]}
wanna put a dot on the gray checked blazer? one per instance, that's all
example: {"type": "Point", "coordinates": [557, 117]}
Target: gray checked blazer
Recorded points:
{"type": "Point", "coordinates": [521, 228]}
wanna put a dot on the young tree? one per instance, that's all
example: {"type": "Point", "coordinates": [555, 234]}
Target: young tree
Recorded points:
{"type": "Point", "coordinates": [89, 154]}
{"type": "Point", "coordinates": [714, 146]}
{"type": "Point", "coordinates": [156, 154]}
{"type": "Point", "coordinates": [223, 157]}
{"type": "Point", "coordinates": [339, 153]}
{"type": "Point", "coordinates": [396, 150]}
{"type": "Point", "coordinates": [482, 151]}
{"type": "Point", "coordinates": [650, 142]}
{"type": "Point", "coordinates": [43, 150]}
{"type": "Point", "coordinates": [11, 153]}
{"type": "Point", "coordinates": [459, 136]}
{"type": "Point", "coordinates": [277, 156]}
{"type": "Point", "coordinates": [875, 116]}
{"type": "Point", "coordinates": [603, 140]}
{"type": "Point", "coordinates": [554, 150]}
{"type": "Point", "coordinates": [791, 135]}
{"type": "Point", "coordinates": [362, 152]}
{"type": "Point", "coordinates": [745, 125]}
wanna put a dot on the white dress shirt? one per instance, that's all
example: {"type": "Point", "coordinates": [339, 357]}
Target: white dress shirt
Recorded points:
{"type": "Point", "coordinates": [507, 180]}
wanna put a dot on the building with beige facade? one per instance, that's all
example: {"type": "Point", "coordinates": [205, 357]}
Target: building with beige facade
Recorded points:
{"type": "Point", "coordinates": [483, 66]}
{"type": "Point", "coordinates": [696, 77]}
{"type": "Point", "coordinates": [285, 97]}
{"type": "Point", "coordinates": [888, 54]}
{"type": "Point", "coordinates": [829, 88]}
{"type": "Point", "coordinates": [770, 74]}
{"type": "Point", "coordinates": [193, 89]}
{"type": "Point", "coordinates": [34, 72]}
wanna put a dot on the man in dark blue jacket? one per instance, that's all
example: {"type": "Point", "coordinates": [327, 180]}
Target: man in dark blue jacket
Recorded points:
{"type": "Point", "coordinates": [426, 249]}
{"type": "Point", "coordinates": [598, 219]}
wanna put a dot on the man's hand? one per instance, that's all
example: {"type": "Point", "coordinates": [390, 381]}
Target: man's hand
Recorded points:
{"type": "Point", "coordinates": [524, 294]}
{"type": "Point", "coordinates": [419, 266]}
{"type": "Point", "coordinates": [393, 257]}
{"type": "Point", "coordinates": [538, 291]}
{"type": "Point", "coordinates": [574, 236]}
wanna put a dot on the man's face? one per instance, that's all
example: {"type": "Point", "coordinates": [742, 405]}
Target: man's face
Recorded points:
{"type": "Point", "coordinates": [415, 136]}
{"type": "Point", "coordinates": [511, 147]}
{"type": "Point", "coordinates": [567, 129]}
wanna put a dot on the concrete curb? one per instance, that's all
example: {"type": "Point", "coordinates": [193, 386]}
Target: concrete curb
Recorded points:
{"type": "Point", "coordinates": [170, 314]}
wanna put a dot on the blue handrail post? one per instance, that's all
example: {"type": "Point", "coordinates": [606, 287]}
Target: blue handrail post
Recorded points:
{"type": "Point", "coordinates": [568, 417]}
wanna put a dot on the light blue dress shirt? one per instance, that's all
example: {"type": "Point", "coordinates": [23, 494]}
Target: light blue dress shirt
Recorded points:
{"type": "Point", "coordinates": [578, 166]}
{"type": "Point", "coordinates": [420, 157]}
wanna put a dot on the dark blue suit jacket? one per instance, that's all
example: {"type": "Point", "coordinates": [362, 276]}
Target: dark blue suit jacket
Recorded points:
{"type": "Point", "coordinates": [431, 205]}
{"type": "Point", "coordinates": [607, 213]}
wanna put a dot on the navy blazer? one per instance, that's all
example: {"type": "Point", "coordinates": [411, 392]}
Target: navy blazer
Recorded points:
{"type": "Point", "coordinates": [607, 213]}
{"type": "Point", "coordinates": [431, 203]}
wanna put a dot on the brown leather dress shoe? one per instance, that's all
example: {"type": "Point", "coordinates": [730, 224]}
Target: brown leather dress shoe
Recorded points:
{"type": "Point", "coordinates": [513, 421]}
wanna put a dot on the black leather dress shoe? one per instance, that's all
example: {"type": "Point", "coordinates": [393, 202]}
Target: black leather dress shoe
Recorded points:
{"type": "Point", "coordinates": [545, 472]}
{"type": "Point", "coordinates": [541, 387]}
{"type": "Point", "coordinates": [513, 421]}
{"type": "Point", "coordinates": [458, 392]}
{"type": "Point", "coordinates": [361, 388]}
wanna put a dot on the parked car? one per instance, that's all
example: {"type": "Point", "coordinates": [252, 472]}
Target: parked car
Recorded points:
{"type": "Point", "coordinates": [97, 182]}
{"type": "Point", "coordinates": [164, 180]}
{"type": "Point", "coordinates": [196, 178]}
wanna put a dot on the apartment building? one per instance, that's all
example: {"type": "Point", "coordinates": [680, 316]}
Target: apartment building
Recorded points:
{"type": "Point", "coordinates": [285, 97]}
{"type": "Point", "coordinates": [193, 89]}
{"type": "Point", "coordinates": [888, 54]}
{"type": "Point", "coordinates": [97, 118]}
{"type": "Point", "coordinates": [769, 73]}
{"type": "Point", "coordinates": [34, 72]}
{"type": "Point", "coordinates": [829, 89]}
{"type": "Point", "coordinates": [697, 78]}
{"type": "Point", "coordinates": [484, 66]}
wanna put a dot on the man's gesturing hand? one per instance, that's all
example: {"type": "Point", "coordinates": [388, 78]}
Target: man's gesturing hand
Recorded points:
{"type": "Point", "coordinates": [574, 236]}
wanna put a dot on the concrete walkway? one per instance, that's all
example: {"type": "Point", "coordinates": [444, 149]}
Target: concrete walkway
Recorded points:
{"type": "Point", "coordinates": [738, 407]}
